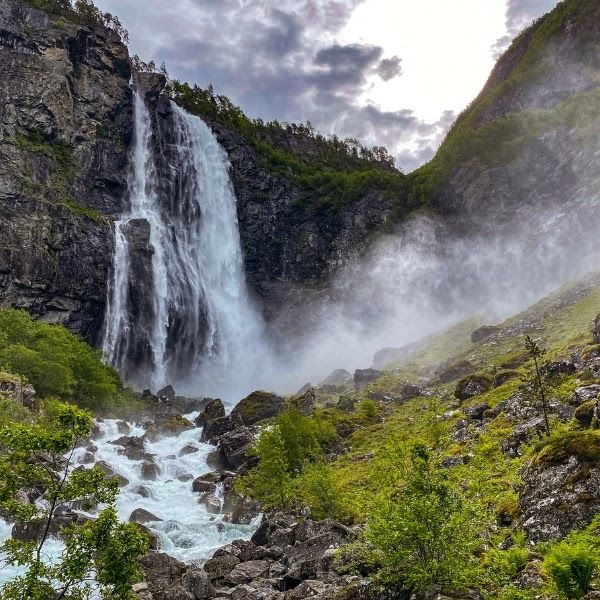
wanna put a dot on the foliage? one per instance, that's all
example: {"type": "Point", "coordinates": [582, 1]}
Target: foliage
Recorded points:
{"type": "Point", "coordinates": [504, 565]}
{"type": "Point", "coordinates": [330, 172]}
{"type": "Point", "coordinates": [319, 490]}
{"type": "Point", "coordinates": [39, 455]}
{"type": "Point", "coordinates": [83, 12]}
{"type": "Point", "coordinates": [55, 361]}
{"type": "Point", "coordinates": [424, 528]}
{"type": "Point", "coordinates": [573, 562]}
{"type": "Point", "coordinates": [284, 450]}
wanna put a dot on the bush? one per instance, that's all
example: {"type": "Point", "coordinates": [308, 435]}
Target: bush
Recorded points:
{"type": "Point", "coordinates": [284, 451]}
{"type": "Point", "coordinates": [572, 564]}
{"type": "Point", "coordinates": [56, 362]}
{"type": "Point", "coordinates": [319, 490]}
{"type": "Point", "coordinates": [424, 530]}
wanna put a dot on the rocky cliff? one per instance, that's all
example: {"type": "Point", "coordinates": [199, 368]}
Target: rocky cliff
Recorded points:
{"type": "Point", "coordinates": [65, 128]}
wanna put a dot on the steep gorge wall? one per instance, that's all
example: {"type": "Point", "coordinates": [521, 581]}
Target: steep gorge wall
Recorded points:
{"type": "Point", "coordinates": [65, 129]}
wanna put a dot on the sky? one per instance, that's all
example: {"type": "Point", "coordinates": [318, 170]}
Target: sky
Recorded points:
{"type": "Point", "coordinates": [388, 72]}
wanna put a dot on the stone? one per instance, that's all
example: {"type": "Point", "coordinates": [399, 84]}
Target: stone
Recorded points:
{"type": "Point", "coordinates": [476, 411]}
{"type": "Point", "coordinates": [472, 385]}
{"type": "Point", "coordinates": [140, 515]}
{"type": "Point", "coordinates": [110, 472]}
{"type": "Point", "coordinates": [198, 582]}
{"type": "Point", "coordinates": [363, 377]}
{"type": "Point", "coordinates": [247, 571]}
{"type": "Point", "coordinates": [123, 427]}
{"type": "Point", "coordinates": [587, 413]}
{"type": "Point", "coordinates": [257, 407]}
{"type": "Point", "coordinates": [150, 471]}
{"type": "Point", "coordinates": [215, 409]}
{"type": "Point", "coordinates": [346, 404]}
{"type": "Point", "coordinates": [188, 449]}
{"type": "Point", "coordinates": [585, 393]}
{"type": "Point", "coordinates": [483, 332]}
{"type": "Point", "coordinates": [167, 392]}
{"type": "Point", "coordinates": [213, 430]}
{"type": "Point", "coordinates": [219, 567]}
{"type": "Point", "coordinates": [235, 446]}
{"type": "Point", "coordinates": [596, 330]}
{"type": "Point", "coordinates": [211, 502]}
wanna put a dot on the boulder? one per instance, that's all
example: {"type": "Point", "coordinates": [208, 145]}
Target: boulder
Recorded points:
{"type": "Point", "coordinates": [188, 449]}
{"type": "Point", "coordinates": [585, 393]}
{"type": "Point", "coordinates": [235, 446]}
{"type": "Point", "coordinates": [132, 447]}
{"type": "Point", "coordinates": [596, 330]}
{"type": "Point", "coordinates": [472, 385]}
{"type": "Point", "coordinates": [211, 502]}
{"type": "Point", "coordinates": [306, 402]}
{"type": "Point", "coordinates": [214, 429]}
{"type": "Point", "coordinates": [483, 332]}
{"type": "Point", "coordinates": [213, 410]}
{"type": "Point", "coordinates": [346, 404]}
{"type": "Point", "coordinates": [257, 407]}
{"type": "Point", "coordinates": [363, 377]}
{"type": "Point", "coordinates": [220, 566]}
{"type": "Point", "coordinates": [476, 411]}
{"type": "Point", "coordinates": [588, 413]}
{"type": "Point", "coordinates": [167, 393]}
{"type": "Point", "coordinates": [140, 515]}
{"type": "Point", "coordinates": [110, 472]}
{"type": "Point", "coordinates": [150, 471]}
{"type": "Point", "coordinates": [247, 571]}
{"type": "Point", "coordinates": [198, 583]}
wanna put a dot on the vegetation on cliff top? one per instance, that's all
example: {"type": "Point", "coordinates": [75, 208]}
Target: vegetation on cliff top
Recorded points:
{"type": "Point", "coordinates": [330, 172]}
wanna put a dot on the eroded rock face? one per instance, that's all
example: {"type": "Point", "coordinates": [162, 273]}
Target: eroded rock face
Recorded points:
{"type": "Point", "coordinates": [65, 129]}
{"type": "Point", "coordinates": [558, 497]}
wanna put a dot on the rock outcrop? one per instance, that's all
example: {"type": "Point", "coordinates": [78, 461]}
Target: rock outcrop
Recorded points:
{"type": "Point", "coordinates": [65, 129]}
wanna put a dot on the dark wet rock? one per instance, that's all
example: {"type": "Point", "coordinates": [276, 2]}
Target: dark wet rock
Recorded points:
{"type": "Point", "coordinates": [257, 407]}
{"type": "Point", "coordinates": [111, 473]}
{"type": "Point", "coordinates": [211, 502]}
{"type": "Point", "coordinates": [472, 385]}
{"type": "Point", "coordinates": [213, 410]}
{"type": "Point", "coordinates": [523, 433]}
{"type": "Point", "coordinates": [88, 458]}
{"type": "Point", "coordinates": [141, 515]}
{"type": "Point", "coordinates": [167, 393]}
{"type": "Point", "coordinates": [483, 332]}
{"type": "Point", "coordinates": [213, 430]}
{"type": "Point", "coordinates": [216, 460]}
{"type": "Point", "coordinates": [34, 531]}
{"type": "Point", "coordinates": [220, 566]}
{"type": "Point", "coordinates": [363, 377]}
{"type": "Point", "coordinates": [502, 377]}
{"type": "Point", "coordinates": [235, 446]}
{"type": "Point", "coordinates": [247, 571]}
{"type": "Point", "coordinates": [169, 425]}
{"type": "Point", "coordinates": [141, 490]}
{"type": "Point", "coordinates": [132, 447]}
{"type": "Point", "coordinates": [150, 471]}
{"type": "Point", "coordinates": [188, 449]}
{"type": "Point", "coordinates": [454, 371]}
{"type": "Point", "coordinates": [559, 367]}
{"type": "Point", "coordinates": [588, 413]}
{"type": "Point", "coordinates": [209, 481]}
{"type": "Point", "coordinates": [198, 583]}
{"type": "Point", "coordinates": [123, 427]}
{"type": "Point", "coordinates": [164, 576]}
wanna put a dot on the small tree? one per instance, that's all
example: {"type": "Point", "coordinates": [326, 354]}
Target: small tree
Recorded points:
{"type": "Point", "coordinates": [423, 530]}
{"type": "Point", "coordinates": [101, 552]}
{"type": "Point", "coordinates": [537, 381]}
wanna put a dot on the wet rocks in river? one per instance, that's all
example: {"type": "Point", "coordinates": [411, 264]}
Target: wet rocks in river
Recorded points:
{"type": "Point", "coordinates": [140, 515]}
{"type": "Point", "coordinates": [213, 410]}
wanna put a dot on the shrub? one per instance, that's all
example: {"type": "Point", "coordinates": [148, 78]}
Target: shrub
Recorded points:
{"type": "Point", "coordinates": [55, 361]}
{"type": "Point", "coordinates": [319, 490]}
{"type": "Point", "coordinates": [424, 530]}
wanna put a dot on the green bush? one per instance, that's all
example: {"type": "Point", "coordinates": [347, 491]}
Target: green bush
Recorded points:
{"type": "Point", "coordinates": [424, 530]}
{"type": "Point", "coordinates": [55, 361]}
{"type": "Point", "coordinates": [284, 451]}
{"type": "Point", "coordinates": [572, 564]}
{"type": "Point", "coordinates": [319, 490]}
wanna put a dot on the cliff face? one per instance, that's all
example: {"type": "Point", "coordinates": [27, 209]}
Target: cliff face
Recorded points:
{"type": "Point", "coordinates": [530, 138]}
{"type": "Point", "coordinates": [65, 128]}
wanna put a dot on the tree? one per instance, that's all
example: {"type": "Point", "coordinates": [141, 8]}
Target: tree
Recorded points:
{"type": "Point", "coordinates": [537, 381]}
{"type": "Point", "coordinates": [423, 529]}
{"type": "Point", "coordinates": [101, 552]}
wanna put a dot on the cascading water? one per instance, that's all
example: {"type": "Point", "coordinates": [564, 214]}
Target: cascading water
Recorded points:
{"type": "Point", "coordinates": [200, 322]}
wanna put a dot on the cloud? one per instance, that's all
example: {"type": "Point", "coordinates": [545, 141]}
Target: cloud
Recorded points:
{"type": "Point", "coordinates": [280, 60]}
{"type": "Point", "coordinates": [519, 15]}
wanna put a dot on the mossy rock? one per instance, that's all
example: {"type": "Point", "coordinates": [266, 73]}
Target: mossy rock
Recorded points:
{"type": "Point", "coordinates": [472, 385]}
{"type": "Point", "coordinates": [455, 371]}
{"type": "Point", "coordinates": [584, 445]}
{"type": "Point", "coordinates": [586, 413]}
{"type": "Point", "coordinates": [175, 425]}
{"type": "Point", "coordinates": [258, 406]}
{"type": "Point", "coordinates": [502, 377]}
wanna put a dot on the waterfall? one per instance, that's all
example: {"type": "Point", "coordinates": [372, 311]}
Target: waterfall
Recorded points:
{"type": "Point", "coordinates": [178, 308]}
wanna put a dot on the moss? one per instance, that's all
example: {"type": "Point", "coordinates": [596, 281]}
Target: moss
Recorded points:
{"type": "Point", "coordinates": [79, 209]}
{"type": "Point", "coordinates": [584, 445]}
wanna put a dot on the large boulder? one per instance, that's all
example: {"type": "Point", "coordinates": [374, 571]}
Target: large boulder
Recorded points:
{"type": "Point", "coordinates": [596, 330]}
{"type": "Point", "coordinates": [483, 332]}
{"type": "Point", "coordinates": [213, 410]}
{"type": "Point", "coordinates": [258, 406]}
{"type": "Point", "coordinates": [337, 377]}
{"type": "Point", "coordinates": [363, 377]}
{"type": "Point", "coordinates": [213, 430]}
{"type": "Point", "coordinates": [560, 487]}
{"type": "Point", "coordinates": [472, 385]}
{"type": "Point", "coordinates": [235, 446]}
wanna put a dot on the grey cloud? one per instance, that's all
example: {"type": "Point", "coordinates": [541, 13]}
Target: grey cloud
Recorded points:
{"type": "Point", "coordinates": [278, 60]}
{"type": "Point", "coordinates": [389, 68]}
